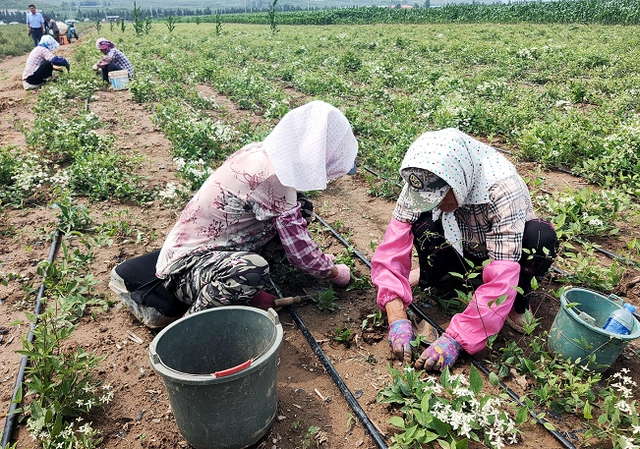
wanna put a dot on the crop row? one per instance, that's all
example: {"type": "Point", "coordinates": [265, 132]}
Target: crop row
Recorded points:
{"type": "Point", "coordinates": [616, 12]}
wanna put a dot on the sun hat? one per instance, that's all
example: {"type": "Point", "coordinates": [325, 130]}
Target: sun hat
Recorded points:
{"type": "Point", "coordinates": [425, 190]}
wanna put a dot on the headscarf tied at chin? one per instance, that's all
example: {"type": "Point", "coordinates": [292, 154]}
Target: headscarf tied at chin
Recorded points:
{"type": "Point", "coordinates": [104, 44]}
{"type": "Point", "coordinates": [468, 166]}
{"type": "Point", "coordinates": [48, 42]}
{"type": "Point", "coordinates": [311, 145]}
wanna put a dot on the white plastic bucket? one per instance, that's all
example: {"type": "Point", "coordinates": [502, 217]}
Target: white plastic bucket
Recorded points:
{"type": "Point", "coordinates": [119, 79]}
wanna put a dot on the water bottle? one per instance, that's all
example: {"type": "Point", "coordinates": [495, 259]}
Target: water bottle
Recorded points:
{"type": "Point", "coordinates": [621, 320]}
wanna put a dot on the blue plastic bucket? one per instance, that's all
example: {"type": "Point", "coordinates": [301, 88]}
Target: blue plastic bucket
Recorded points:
{"type": "Point", "coordinates": [576, 332]}
{"type": "Point", "coordinates": [219, 367]}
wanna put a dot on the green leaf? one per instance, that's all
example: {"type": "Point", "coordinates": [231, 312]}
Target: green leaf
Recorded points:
{"type": "Point", "coordinates": [475, 380]}
{"type": "Point", "coordinates": [587, 411]}
{"type": "Point", "coordinates": [494, 379]}
{"type": "Point", "coordinates": [397, 422]}
{"type": "Point", "coordinates": [19, 393]}
{"type": "Point", "coordinates": [549, 426]}
{"type": "Point", "coordinates": [522, 414]}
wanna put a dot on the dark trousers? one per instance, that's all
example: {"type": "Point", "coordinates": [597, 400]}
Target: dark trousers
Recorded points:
{"type": "Point", "coordinates": [437, 257]}
{"type": "Point", "coordinates": [110, 68]}
{"type": "Point", "coordinates": [36, 35]}
{"type": "Point", "coordinates": [44, 71]}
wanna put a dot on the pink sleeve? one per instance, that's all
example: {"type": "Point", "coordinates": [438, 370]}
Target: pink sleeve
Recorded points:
{"type": "Point", "coordinates": [391, 264]}
{"type": "Point", "coordinates": [483, 317]}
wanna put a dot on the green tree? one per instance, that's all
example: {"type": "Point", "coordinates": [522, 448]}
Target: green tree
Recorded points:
{"type": "Point", "coordinates": [272, 17]}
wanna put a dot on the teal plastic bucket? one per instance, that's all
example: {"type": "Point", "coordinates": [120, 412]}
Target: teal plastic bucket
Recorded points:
{"type": "Point", "coordinates": [576, 332]}
{"type": "Point", "coordinates": [219, 367]}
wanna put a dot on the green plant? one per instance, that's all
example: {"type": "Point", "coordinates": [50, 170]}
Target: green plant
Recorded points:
{"type": "Point", "coordinates": [375, 319]}
{"type": "Point", "coordinates": [111, 25]}
{"type": "Point", "coordinates": [218, 19]}
{"type": "Point", "coordinates": [309, 436]}
{"type": "Point", "coordinates": [148, 24]}
{"type": "Point", "coordinates": [71, 217]}
{"type": "Point", "coordinates": [585, 269]}
{"type": "Point", "coordinates": [325, 300]}
{"type": "Point", "coordinates": [171, 23]}
{"type": "Point", "coordinates": [618, 420]}
{"type": "Point", "coordinates": [123, 27]}
{"type": "Point", "coordinates": [138, 23]}
{"type": "Point", "coordinates": [61, 384]}
{"type": "Point", "coordinates": [343, 334]}
{"type": "Point", "coordinates": [584, 212]}
{"type": "Point", "coordinates": [98, 25]}
{"type": "Point", "coordinates": [272, 17]}
{"type": "Point", "coordinates": [68, 283]}
{"type": "Point", "coordinates": [450, 410]}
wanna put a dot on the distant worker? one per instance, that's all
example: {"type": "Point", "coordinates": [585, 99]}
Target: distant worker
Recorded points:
{"type": "Point", "coordinates": [35, 25]}
{"type": "Point", "coordinates": [52, 28]}
{"type": "Point", "coordinates": [41, 63]}
{"type": "Point", "coordinates": [112, 60]}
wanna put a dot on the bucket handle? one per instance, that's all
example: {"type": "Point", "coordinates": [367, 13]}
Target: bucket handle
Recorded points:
{"type": "Point", "coordinates": [615, 298]}
{"type": "Point", "coordinates": [232, 370]}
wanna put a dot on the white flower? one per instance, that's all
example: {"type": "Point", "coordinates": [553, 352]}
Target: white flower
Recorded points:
{"type": "Point", "coordinates": [629, 443]}
{"type": "Point", "coordinates": [623, 406]}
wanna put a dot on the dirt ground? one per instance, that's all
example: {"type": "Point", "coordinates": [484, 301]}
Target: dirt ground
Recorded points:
{"type": "Point", "coordinates": [140, 415]}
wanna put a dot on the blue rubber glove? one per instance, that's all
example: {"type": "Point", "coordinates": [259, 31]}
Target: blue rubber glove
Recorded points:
{"type": "Point", "coordinates": [400, 336]}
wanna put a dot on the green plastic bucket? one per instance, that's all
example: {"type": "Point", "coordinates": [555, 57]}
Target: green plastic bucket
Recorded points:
{"type": "Point", "coordinates": [219, 367]}
{"type": "Point", "coordinates": [576, 332]}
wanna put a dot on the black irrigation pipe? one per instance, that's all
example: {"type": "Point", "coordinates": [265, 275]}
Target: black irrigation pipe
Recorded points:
{"type": "Point", "coordinates": [11, 414]}
{"type": "Point", "coordinates": [477, 363]}
{"type": "Point", "coordinates": [349, 397]}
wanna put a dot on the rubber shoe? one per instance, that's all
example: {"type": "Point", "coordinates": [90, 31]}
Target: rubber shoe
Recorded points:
{"type": "Point", "coordinates": [515, 320]}
{"type": "Point", "coordinates": [149, 316]}
{"type": "Point", "coordinates": [28, 86]}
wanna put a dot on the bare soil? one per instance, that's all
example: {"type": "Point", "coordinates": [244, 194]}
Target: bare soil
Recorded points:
{"type": "Point", "coordinates": [140, 415]}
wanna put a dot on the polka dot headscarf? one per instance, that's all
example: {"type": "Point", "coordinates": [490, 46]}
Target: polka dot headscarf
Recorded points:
{"type": "Point", "coordinates": [468, 166]}
{"type": "Point", "coordinates": [311, 145]}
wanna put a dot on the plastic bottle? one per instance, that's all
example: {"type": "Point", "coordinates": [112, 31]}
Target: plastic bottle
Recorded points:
{"type": "Point", "coordinates": [621, 320]}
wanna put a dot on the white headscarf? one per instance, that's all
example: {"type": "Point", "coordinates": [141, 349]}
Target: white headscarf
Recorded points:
{"type": "Point", "coordinates": [311, 145]}
{"type": "Point", "coordinates": [49, 42]}
{"type": "Point", "coordinates": [468, 166]}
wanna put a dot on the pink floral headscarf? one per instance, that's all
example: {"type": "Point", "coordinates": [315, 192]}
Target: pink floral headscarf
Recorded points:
{"type": "Point", "coordinates": [104, 44]}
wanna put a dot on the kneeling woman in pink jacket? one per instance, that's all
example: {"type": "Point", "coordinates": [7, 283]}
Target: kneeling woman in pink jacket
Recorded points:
{"type": "Point", "coordinates": [461, 200]}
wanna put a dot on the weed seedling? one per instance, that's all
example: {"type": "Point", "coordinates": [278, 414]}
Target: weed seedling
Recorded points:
{"type": "Point", "coordinates": [343, 335]}
{"type": "Point", "coordinates": [309, 436]}
{"type": "Point", "coordinates": [374, 319]}
{"type": "Point", "coordinates": [325, 300]}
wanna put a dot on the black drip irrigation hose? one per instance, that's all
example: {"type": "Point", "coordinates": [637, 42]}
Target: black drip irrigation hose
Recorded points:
{"type": "Point", "coordinates": [477, 363]}
{"type": "Point", "coordinates": [11, 414]}
{"type": "Point", "coordinates": [349, 397]}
